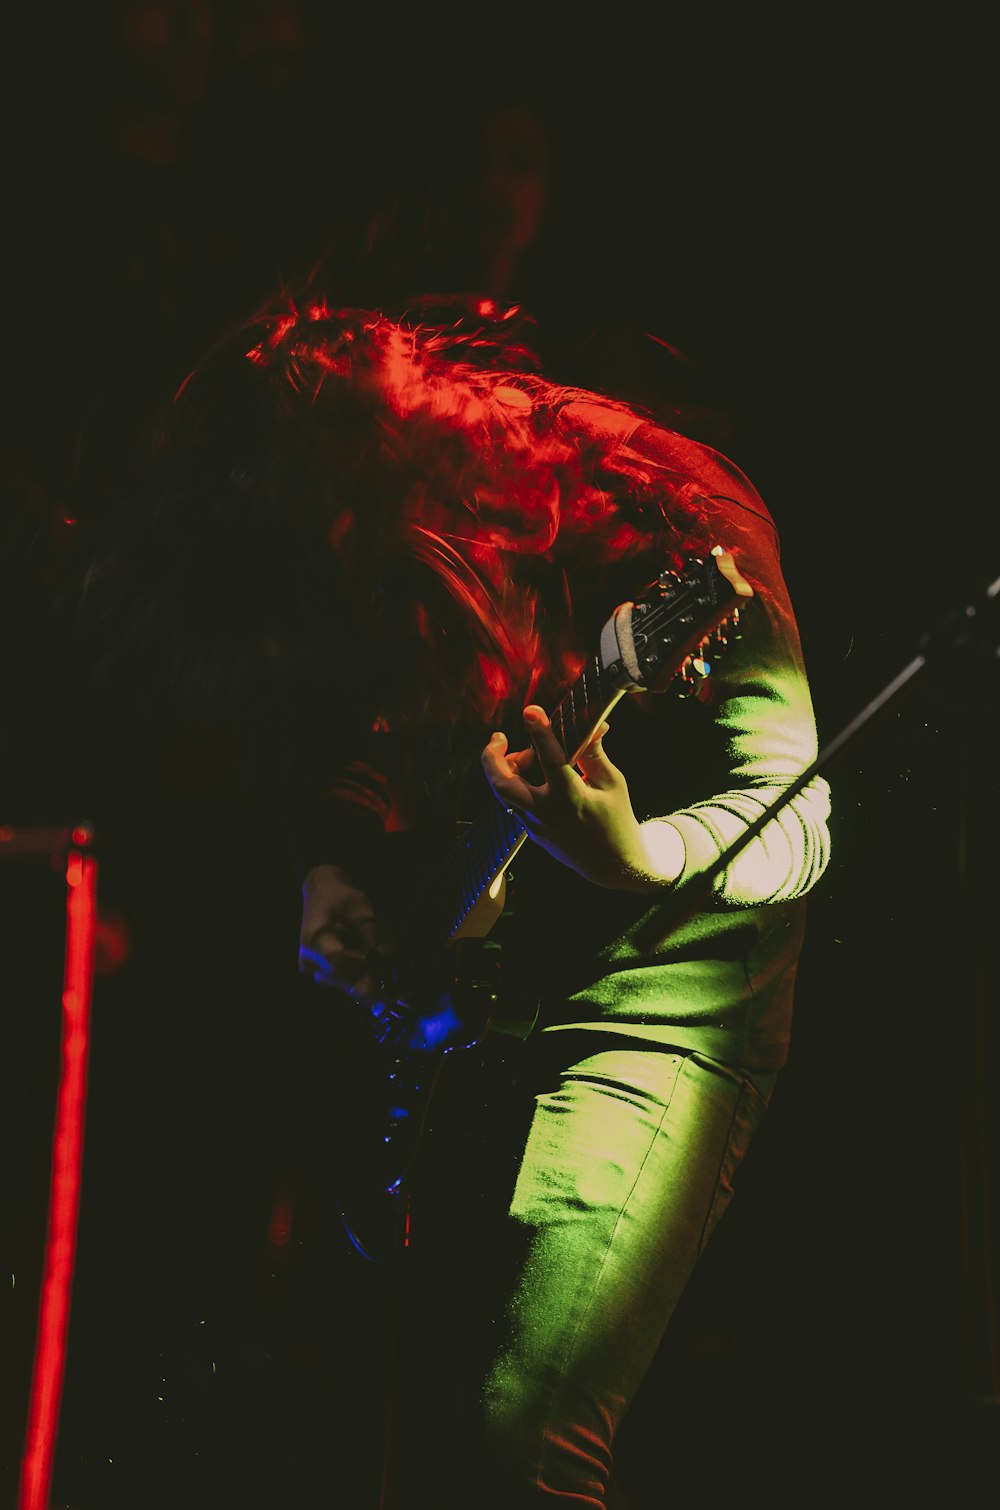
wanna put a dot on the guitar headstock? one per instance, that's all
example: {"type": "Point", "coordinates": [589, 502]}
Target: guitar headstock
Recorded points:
{"type": "Point", "coordinates": [678, 627]}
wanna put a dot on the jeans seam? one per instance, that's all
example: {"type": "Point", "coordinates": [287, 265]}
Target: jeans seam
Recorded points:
{"type": "Point", "coordinates": [560, 1385]}
{"type": "Point", "coordinates": [709, 1223]}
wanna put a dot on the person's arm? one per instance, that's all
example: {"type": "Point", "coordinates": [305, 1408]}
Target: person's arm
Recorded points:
{"type": "Point", "coordinates": [339, 937]}
{"type": "Point", "coordinates": [765, 725]}
{"type": "Point", "coordinates": [582, 814]}
{"type": "Point", "coordinates": [765, 728]}
{"type": "Point", "coordinates": [342, 940]}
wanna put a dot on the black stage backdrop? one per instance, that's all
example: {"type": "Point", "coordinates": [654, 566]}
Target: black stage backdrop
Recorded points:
{"type": "Point", "coordinates": [770, 227]}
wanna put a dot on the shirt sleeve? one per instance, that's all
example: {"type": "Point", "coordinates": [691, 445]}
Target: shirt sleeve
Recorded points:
{"type": "Point", "coordinates": [763, 716]}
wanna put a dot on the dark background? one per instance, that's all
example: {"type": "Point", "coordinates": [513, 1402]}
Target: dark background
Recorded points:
{"type": "Point", "coordinates": [796, 205]}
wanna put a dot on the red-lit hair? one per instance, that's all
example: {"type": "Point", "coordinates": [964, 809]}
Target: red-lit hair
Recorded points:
{"type": "Point", "coordinates": [468, 520]}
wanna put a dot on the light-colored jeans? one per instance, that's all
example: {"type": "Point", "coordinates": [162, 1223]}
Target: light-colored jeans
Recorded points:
{"type": "Point", "coordinates": [628, 1166]}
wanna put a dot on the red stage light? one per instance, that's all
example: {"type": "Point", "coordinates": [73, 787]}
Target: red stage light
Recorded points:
{"type": "Point", "coordinates": [64, 1193]}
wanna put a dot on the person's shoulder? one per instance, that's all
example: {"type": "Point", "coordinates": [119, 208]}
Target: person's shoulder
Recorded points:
{"type": "Point", "coordinates": [620, 430]}
{"type": "Point", "coordinates": [716, 474]}
{"type": "Point", "coordinates": [610, 423]}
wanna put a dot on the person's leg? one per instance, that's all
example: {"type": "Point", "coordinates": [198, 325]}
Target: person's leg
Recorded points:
{"type": "Point", "coordinates": [627, 1167]}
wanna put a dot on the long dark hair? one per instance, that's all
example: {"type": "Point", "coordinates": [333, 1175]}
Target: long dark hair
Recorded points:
{"type": "Point", "coordinates": [383, 511]}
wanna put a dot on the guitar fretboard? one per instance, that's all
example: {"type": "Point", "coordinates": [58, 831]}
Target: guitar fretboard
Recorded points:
{"type": "Point", "coordinates": [581, 710]}
{"type": "Point", "coordinates": [488, 845]}
{"type": "Point", "coordinates": [666, 631]}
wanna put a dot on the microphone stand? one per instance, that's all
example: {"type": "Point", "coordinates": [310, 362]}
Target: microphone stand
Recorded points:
{"type": "Point", "coordinates": [964, 631]}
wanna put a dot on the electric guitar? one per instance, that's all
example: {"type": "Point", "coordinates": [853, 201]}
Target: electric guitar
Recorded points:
{"type": "Point", "coordinates": [442, 989]}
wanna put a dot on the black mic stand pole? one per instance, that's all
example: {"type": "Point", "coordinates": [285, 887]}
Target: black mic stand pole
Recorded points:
{"type": "Point", "coordinates": [967, 634]}
{"type": "Point", "coordinates": [962, 631]}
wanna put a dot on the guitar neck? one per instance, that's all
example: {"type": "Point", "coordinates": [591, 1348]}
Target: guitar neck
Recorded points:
{"type": "Point", "coordinates": [661, 639]}
{"type": "Point", "coordinates": [488, 845]}
{"type": "Point", "coordinates": [581, 711]}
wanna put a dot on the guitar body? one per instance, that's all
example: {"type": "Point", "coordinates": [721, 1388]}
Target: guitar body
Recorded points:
{"type": "Point", "coordinates": [452, 1001]}
{"type": "Point", "coordinates": [443, 989]}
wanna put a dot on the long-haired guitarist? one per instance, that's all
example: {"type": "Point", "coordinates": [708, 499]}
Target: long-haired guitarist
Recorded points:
{"type": "Point", "coordinates": [512, 634]}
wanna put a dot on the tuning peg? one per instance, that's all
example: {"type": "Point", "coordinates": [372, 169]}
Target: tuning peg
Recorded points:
{"type": "Point", "coordinates": [684, 682]}
{"type": "Point", "coordinates": [700, 663]}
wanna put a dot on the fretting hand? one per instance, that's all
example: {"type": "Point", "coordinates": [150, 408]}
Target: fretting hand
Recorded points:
{"type": "Point", "coordinates": [581, 813]}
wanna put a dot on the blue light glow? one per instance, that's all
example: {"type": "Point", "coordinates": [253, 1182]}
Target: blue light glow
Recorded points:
{"type": "Point", "coordinates": [433, 1031]}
